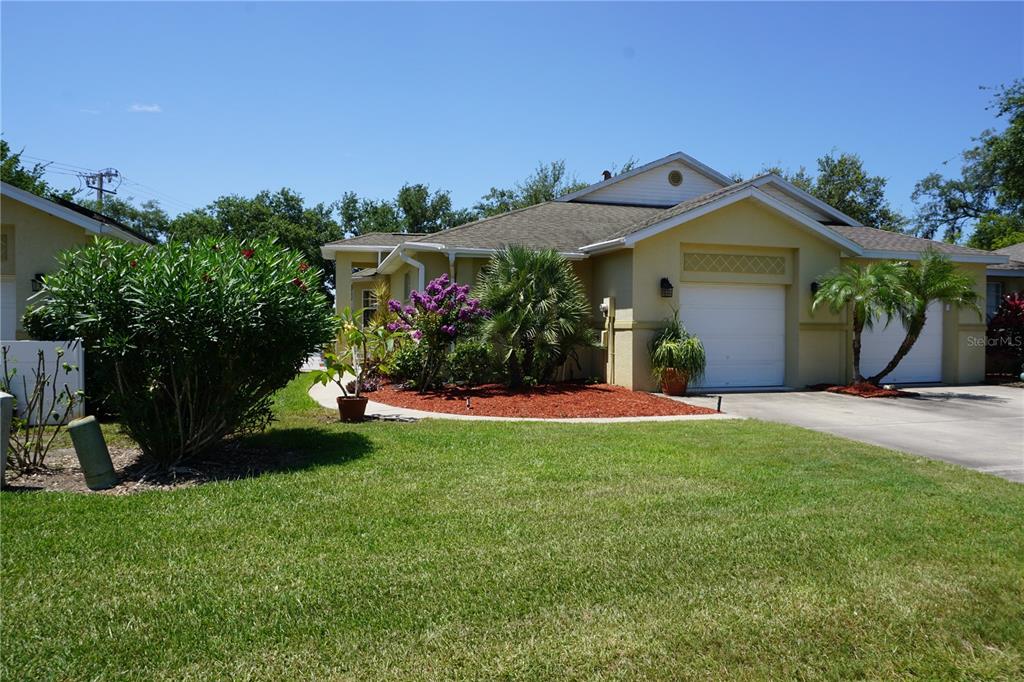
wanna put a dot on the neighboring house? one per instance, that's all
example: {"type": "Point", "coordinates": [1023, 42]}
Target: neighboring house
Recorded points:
{"type": "Point", "coordinates": [1005, 278]}
{"type": "Point", "coordinates": [738, 260]}
{"type": "Point", "coordinates": [33, 230]}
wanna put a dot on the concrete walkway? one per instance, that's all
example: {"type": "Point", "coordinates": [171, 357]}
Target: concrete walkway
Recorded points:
{"type": "Point", "coordinates": [979, 427]}
{"type": "Point", "coordinates": [327, 396]}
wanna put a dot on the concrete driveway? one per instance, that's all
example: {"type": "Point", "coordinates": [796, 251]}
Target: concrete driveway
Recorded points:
{"type": "Point", "coordinates": [980, 427]}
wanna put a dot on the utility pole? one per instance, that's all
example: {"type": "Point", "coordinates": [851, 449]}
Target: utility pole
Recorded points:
{"type": "Point", "coordinates": [97, 181]}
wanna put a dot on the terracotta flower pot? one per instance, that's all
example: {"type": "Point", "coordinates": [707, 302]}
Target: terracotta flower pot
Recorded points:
{"type": "Point", "coordinates": [351, 409]}
{"type": "Point", "coordinates": [673, 383]}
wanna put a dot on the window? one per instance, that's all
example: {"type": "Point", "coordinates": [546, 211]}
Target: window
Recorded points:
{"type": "Point", "coordinates": [675, 178]}
{"type": "Point", "coordinates": [369, 305]}
{"type": "Point", "coordinates": [993, 296]}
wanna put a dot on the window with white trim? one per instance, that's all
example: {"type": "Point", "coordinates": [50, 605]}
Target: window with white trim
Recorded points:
{"type": "Point", "coordinates": [369, 305]}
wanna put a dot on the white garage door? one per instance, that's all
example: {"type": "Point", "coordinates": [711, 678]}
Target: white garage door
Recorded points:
{"type": "Point", "coordinates": [924, 361]}
{"type": "Point", "coordinates": [743, 329]}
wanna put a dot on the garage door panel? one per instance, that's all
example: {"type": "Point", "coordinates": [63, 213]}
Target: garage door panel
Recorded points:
{"type": "Point", "coordinates": [924, 362]}
{"type": "Point", "coordinates": [743, 331]}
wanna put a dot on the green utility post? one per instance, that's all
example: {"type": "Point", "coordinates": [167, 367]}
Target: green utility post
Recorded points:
{"type": "Point", "coordinates": [92, 453]}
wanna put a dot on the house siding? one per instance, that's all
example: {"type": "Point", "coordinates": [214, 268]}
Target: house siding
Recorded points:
{"type": "Point", "coordinates": [652, 188]}
{"type": "Point", "coordinates": [34, 239]}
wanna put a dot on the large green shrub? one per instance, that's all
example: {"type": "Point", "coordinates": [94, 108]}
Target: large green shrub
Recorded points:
{"type": "Point", "coordinates": [539, 314]}
{"type": "Point", "coordinates": [192, 340]}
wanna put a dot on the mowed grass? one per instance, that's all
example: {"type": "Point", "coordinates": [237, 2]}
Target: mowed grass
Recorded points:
{"type": "Point", "coordinates": [453, 550]}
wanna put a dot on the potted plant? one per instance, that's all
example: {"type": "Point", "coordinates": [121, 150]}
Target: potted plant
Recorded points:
{"type": "Point", "coordinates": [677, 357]}
{"type": "Point", "coordinates": [368, 346]}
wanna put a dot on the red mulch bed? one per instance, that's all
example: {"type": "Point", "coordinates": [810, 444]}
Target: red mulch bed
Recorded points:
{"type": "Point", "coordinates": [552, 401]}
{"type": "Point", "coordinates": [864, 390]}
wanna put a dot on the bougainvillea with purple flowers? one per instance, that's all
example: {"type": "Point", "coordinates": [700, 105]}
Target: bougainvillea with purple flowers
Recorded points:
{"type": "Point", "coordinates": [436, 318]}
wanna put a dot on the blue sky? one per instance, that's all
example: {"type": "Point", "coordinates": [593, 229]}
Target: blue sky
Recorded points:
{"type": "Point", "coordinates": [194, 101]}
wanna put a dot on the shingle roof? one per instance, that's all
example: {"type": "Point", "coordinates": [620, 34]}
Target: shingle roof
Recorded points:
{"type": "Point", "coordinates": [569, 226]}
{"type": "Point", "coordinates": [1016, 255]}
{"type": "Point", "coordinates": [364, 273]}
{"type": "Point", "coordinates": [883, 240]}
{"type": "Point", "coordinates": [682, 208]}
{"type": "Point", "coordinates": [383, 239]}
{"type": "Point", "coordinates": [563, 226]}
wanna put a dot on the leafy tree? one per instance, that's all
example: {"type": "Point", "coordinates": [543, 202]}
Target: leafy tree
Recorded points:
{"type": "Point", "coordinates": [548, 182]}
{"type": "Point", "coordinates": [28, 178]}
{"type": "Point", "coordinates": [842, 182]}
{"type": "Point", "coordinates": [191, 342]}
{"type": "Point", "coordinates": [995, 231]}
{"type": "Point", "coordinates": [991, 182]}
{"type": "Point", "coordinates": [539, 312]}
{"type": "Point", "coordinates": [148, 218]}
{"type": "Point", "coordinates": [415, 210]}
{"type": "Point", "coordinates": [873, 292]}
{"type": "Point", "coordinates": [280, 215]}
{"type": "Point", "coordinates": [934, 278]}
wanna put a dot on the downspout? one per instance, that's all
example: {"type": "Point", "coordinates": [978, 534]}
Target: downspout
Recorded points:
{"type": "Point", "coordinates": [451, 265]}
{"type": "Point", "coordinates": [419, 266]}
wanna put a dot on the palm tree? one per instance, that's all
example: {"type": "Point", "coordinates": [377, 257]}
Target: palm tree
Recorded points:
{"type": "Point", "coordinates": [934, 278]}
{"type": "Point", "coordinates": [872, 291]}
{"type": "Point", "coordinates": [539, 313]}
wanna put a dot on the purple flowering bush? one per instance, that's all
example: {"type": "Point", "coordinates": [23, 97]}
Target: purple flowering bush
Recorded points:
{"type": "Point", "coordinates": [435, 319]}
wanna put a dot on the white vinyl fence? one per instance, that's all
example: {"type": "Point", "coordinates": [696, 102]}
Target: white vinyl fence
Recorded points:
{"type": "Point", "coordinates": [19, 371]}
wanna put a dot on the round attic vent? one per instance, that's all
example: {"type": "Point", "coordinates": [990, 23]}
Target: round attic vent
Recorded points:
{"type": "Point", "coordinates": [675, 178]}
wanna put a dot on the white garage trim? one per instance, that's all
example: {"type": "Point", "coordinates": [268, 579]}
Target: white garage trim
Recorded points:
{"type": "Point", "coordinates": [743, 329]}
{"type": "Point", "coordinates": [923, 364]}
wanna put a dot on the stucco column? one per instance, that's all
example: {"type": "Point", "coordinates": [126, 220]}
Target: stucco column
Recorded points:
{"type": "Point", "coordinates": [342, 281]}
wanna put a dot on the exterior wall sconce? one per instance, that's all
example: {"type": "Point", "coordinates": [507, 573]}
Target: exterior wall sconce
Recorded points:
{"type": "Point", "coordinates": [37, 282]}
{"type": "Point", "coordinates": [666, 288]}
{"type": "Point", "coordinates": [814, 288]}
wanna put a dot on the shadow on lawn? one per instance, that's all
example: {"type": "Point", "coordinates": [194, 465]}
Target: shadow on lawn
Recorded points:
{"type": "Point", "coordinates": [280, 450]}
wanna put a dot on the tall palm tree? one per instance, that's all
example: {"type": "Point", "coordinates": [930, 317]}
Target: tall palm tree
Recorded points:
{"type": "Point", "coordinates": [872, 292]}
{"type": "Point", "coordinates": [934, 278]}
{"type": "Point", "coordinates": [539, 313]}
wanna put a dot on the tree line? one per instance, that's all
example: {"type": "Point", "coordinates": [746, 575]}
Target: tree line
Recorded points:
{"type": "Point", "coordinates": [987, 195]}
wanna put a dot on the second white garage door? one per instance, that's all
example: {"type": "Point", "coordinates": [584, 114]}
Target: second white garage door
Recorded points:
{"type": "Point", "coordinates": [743, 329]}
{"type": "Point", "coordinates": [923, 364]}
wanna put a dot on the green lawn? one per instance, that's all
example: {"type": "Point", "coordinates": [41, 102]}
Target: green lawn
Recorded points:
{"type": "Point", "coordinates": [443, 550]}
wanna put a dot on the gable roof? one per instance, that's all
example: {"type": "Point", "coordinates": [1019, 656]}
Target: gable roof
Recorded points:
{"type": "Point", "coordinates": [70, 212]}
{"type": "Point", "coordinates": [1014, 267]}
{"type": "Point", "coordinates": [577, 228]}
{"type": "Point", "coordinates": [663, 161]}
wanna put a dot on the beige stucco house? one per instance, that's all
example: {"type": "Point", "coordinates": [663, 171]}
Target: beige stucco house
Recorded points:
{"type": "Point", "coordinates": [738, 260]}
{"type": "Point", "coordinates": [33, 230]}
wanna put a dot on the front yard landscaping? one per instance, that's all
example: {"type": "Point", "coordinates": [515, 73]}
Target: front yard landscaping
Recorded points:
{"type": "Point", "coordinates": [440, 550]}
{"type": "Point", "coordinates": [550, 401]}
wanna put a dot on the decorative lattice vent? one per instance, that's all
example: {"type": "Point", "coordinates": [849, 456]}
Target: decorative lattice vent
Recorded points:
{"type": "Point", "coordinates": [733, 262]}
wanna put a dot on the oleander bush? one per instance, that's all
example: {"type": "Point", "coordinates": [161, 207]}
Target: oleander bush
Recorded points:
{"type": "Point", "coordinates": [188, 342]}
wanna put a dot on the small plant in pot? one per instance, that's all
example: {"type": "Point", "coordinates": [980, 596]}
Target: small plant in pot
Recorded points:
{"type": "Point", "coordinates": [677, 358]}
{"type": "Point", "coordinates": [368, 348]}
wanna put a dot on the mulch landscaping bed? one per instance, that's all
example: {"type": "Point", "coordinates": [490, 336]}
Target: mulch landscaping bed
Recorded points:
{"type": "Point", "coordinates": [864, 390]}
{"type": "Point", "coordinates": [553, 401]}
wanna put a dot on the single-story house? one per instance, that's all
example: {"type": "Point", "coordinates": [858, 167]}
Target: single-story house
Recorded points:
{"type": "Point", "coordinates": [1005, 278]}
{"type": "Point", "coordinates": [33, 230]}
{"type": "Point", "coordinates": [739, 261]}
